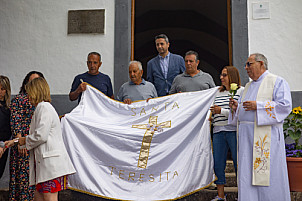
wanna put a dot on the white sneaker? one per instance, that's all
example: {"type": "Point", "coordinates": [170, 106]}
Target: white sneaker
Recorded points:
{"type": "Point", "coordinates": [219, 198]}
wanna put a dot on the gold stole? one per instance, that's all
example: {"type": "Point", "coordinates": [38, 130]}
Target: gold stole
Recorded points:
{"type": "Point", "coordinates": [262, 134]}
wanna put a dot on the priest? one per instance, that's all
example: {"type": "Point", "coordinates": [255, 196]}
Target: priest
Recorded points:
{"type": "Point", "coordinates": [259, 114]}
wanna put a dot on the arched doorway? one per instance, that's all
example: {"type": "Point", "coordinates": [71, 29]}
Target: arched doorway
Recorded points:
{"type": "Point", "coordinates": [202, 26]}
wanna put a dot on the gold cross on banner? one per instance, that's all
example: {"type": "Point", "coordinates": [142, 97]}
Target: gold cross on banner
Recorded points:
{"type": "Point", "coordinates": [151, 128]}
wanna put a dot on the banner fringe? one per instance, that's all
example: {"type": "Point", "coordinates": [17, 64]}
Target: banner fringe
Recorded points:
{"type": "Point", "coordinates": [96, 195]}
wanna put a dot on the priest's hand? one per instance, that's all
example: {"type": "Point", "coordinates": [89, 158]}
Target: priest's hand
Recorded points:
{"type": "Point", "coordinates": [250, 105]}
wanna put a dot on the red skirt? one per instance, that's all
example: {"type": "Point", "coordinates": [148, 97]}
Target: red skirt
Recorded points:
{"type": "Point", "coordinates": [52, 186]}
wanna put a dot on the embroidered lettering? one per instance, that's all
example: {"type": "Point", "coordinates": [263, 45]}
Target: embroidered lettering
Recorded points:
{"type": "Point", "coordinates": [175, 105]}
{"type": "Point", "coordinates": [121, 173]}
{"type": "Point", "coordinates": [141, 177]}
{"type": "Point", "coordinates": [112, 169]}
{"type": "Point", "coordinates": [175, 174]}
{"type": "Point", "coordinates": [142, 111]}
{"type": "Point", "coordinates": [154, 108]}
{"type": "Point", "coordinates": [166, 105]}
{"type": "Point", "coordinates": [151, 176]}
{"type": "Point", "coordinates": [132, 109]}
{"type": "Point", "coordinates": [131, 176]}
{"type": "Point", "coordinates": [167, 175]}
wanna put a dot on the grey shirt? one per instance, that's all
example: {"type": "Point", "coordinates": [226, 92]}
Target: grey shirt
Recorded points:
{"type": "Point", "coordinates": [143, 91]}
{"type": "Point", "coordinates": [186, 83]}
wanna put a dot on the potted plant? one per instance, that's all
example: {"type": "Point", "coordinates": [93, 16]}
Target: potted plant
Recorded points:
{"type": "Point", "coordinates": [293, 128]}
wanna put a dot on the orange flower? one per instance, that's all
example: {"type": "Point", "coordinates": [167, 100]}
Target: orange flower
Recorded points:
{"type": "Point", "coordinates": [256, 165]}
{"type": "Point", "coordinates": [258, 160]}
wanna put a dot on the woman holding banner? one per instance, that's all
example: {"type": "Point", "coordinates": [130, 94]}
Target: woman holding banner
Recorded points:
{"type": "Point", "coordinates": [49, 161]}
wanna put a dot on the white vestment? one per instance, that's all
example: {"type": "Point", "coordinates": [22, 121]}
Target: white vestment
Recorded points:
{"type": "Point", "coordinates": [268, 113]}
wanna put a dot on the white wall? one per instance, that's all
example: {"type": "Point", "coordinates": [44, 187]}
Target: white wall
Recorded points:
{"type": "Point", "coordinates": [33, 36]}
{"type": "Point", "coordinates": [279, 38]}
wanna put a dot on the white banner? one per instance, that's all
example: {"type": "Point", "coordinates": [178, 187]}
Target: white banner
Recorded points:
{"type": "Point", "coordinates": [144, 151]}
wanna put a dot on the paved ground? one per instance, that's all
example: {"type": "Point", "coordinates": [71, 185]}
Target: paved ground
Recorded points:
{"type": "Point", "coordinates": [203, 195]}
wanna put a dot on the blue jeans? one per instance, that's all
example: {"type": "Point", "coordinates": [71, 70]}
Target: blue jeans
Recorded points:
{"type": "Point", "coordinates": [222, 141]}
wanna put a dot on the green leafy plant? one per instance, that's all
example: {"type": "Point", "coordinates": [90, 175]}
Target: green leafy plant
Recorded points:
{"type": "Point", "coordinates": [292, 128]}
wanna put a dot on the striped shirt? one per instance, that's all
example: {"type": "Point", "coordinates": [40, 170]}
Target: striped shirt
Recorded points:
{"type": "Point", "coordinates": [220, 121]}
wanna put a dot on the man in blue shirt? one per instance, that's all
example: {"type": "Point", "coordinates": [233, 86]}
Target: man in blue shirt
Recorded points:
{"type": "Point", "coordinates": [137, 88]}
{"type": "Point", "coordinates": [162, 69]}
{"type": "Point", "coordinates": [93, 77]}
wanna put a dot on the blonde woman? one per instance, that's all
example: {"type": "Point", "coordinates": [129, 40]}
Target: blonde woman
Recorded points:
{"type": "Point", "coordinates": [5, 132]}
{"type": "Point", "coordinates": [49, 162]}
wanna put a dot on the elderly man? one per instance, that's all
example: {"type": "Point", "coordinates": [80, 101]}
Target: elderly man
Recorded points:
{"type": "Point", "coordinates": [260, 111]}
{"type": "Point", "coordinates": [93, 77]}
{"type": "Point", "coordinates": [162, 69]}
{"type": "Point", "coordinates": [192, 79]}
{"type": "Point", "coordinates": [137, 88]}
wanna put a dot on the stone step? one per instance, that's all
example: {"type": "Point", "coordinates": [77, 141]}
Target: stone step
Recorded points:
{"type": "Point", "coordinates": [207, 195]}
{"type": "Point", "coordinates": [203, 195]}
{"type": "Point", "coordinates": [229, 166]}
{"type": "Point", "coordinates": [231, 180]}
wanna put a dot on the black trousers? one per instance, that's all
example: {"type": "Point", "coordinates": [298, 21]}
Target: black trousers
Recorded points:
{"type": "Point", "coordinates": [3, 160]}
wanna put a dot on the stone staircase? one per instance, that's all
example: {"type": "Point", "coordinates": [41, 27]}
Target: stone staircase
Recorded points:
{"type": "Point", "coordinates": [230, 188]}
{"type": "Point", "coordinates": [204, 195]}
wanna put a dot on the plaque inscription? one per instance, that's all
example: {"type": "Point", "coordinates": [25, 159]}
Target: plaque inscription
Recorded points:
{"type": "Point", "coordinates": [86, 21]}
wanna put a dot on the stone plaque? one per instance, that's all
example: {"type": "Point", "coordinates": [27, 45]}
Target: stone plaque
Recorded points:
{"type": "Point", "coordinates": [86, 21]}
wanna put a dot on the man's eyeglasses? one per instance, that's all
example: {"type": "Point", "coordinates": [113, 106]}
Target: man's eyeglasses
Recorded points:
{"type": "Point", "coordinates": [248, 64]}
{"type": "Point", "coordinates": [223, 75]}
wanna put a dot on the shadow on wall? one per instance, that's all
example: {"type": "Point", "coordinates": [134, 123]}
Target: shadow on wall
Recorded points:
{"type": "Point", "coordinates": [297, 98]}
{"type": "Point", "coordinates": [62, 104]}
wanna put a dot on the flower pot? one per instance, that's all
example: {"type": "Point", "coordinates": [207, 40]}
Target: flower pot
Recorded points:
{"type": "Point", "coordinates": [294, 168]}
